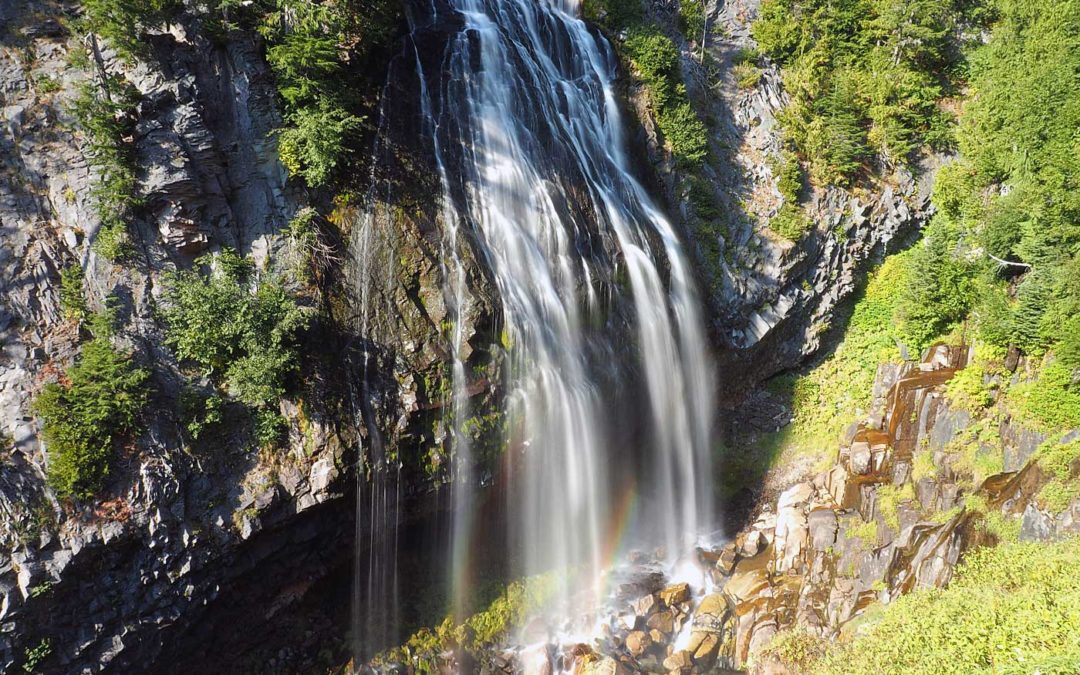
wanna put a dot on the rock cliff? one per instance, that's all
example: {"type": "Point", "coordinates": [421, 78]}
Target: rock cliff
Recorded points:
{"type": "Point", "coordinates": [188, 556]}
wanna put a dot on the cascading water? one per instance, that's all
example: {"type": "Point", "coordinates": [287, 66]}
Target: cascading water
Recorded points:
{"type": "Point", "coordinates": [524, 127]}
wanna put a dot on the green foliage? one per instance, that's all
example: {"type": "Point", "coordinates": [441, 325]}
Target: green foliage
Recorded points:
{"type": "Point", "coordinates": [1051, 402]}
{"type": "Point", "coordinates": [124, 23]}
{"type": "Point", "coordinates": [864, 76]}
{"type": "Point", "coordinates": [313, 143]}
{"type": "Point", "coordinates": [692, 19]}
{"type": "Point", "coordinates": [826, 399]}
{"type": "Point", "coordinates": [795, 648]}
{"type": "Point", "coordinates": [35, 655]}
{"type": "Point", "coordinates": [270, 427]}
{"type": "Point", "coordinates": [889, 498]}
{"type": "Point", "coordinates": [1057, 459]}
{"type": "Point", "coordinates": [971, 388]}
{"type": "Point", "coordinates": [939, 288]}
{"type": "Point", "coordinates": [1012, 608]}
{"type": "Point", "coordinates": [614, 14]}
{"type": "Point", "coordinates": [72, 300]}
{"type": "Point", "coordinates": [790, 222]}
{"type": "Point", "coordinates": [747, 75]}
{"type": "Point", "coordinates": [788, 169]}
{"type": "Point", "coordinates": [105, 115]}
{"type": "Point", "coordinates": [656, 59]}
{"type": "Point", "coordinates": [199, 411]}
{"type": "Point", "coordinates": [85, 415]}
{"type": "Point", "coordinates": [867, 532]}
{"type": "Point", "coordinates": [247, 337]}
{"type": "Point", "coordinates": [515, 603]}
{"type": "Point", "coordinates": [312, 48]}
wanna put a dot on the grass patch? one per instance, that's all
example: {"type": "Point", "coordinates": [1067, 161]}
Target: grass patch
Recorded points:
{"type": "Point", "coordinates": [1012, 608]}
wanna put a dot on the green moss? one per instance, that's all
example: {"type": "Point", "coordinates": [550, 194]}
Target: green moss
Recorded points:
{"type": "Point", "coordinates": [889, 498]}
{"type": "Point", "coordinates": [867, 532]}
{"type": "Point", "coordinates": [1011, 608]}
{"type": "Point", "coordinates": [515, 603]}
{"type": "Point", "coordinates": [923, 465]}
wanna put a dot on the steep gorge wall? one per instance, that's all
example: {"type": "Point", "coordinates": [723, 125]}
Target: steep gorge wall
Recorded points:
{"type": "Point", "coordinates": [120, 582]}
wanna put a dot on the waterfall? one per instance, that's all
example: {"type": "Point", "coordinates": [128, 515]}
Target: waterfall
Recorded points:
{"type": "Point", "coordinates": [522, 121]}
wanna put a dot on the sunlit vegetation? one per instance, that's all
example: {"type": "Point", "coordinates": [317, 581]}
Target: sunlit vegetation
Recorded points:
{"type": "Point", "coordinates": [90, 411]}
{"type": "Point", "coordinates": [1011, 608]}
{"type": "Point", "coordinates": [864, 76]}
{"type": "Point", "coordinates": [513, 605]}
{"type": "Point", "coordinates": [655, 59]}
{"type": "Point", "coordinates": [240, 332]}
{"type": "Point", "coordinates": [313, 50]}
{"type": "Point", "coordinates": [105, 114]}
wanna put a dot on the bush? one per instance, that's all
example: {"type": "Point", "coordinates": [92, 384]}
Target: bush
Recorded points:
{"type": "Point", "coordinates": [72, 301]}
{"type": "Point", "coordinates": [656, 59]}
{"type": "Point", "coordinates": [105, 115]}
{"type": "Point", "coordinates": [87, 413]}
{"type": "Point", "coordinates": [1010, 609]}
{"type": "Point", "coordinates": [1051, 402]}
{"type": "Point", "coordinates": [790, 222]}
{"type": "Point", "coordinates": [313, 143]}
{"type": "Point", "coordinates": [692, 19]}
{"type": "Point", "coordinates": [246, 338]}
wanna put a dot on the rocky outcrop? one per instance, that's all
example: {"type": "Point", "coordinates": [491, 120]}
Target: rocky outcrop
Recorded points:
{"type": "Point", "coordinates": [103, 584]}
{"type": "Point", "coordinates": [866, 531]}
{"type": "Point", "coordinates": [771, 300]}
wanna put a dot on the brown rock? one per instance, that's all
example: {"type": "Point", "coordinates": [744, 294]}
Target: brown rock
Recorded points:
{"type": "Point", "coordinates": [704, 646]}
{"type": "Point", "coordinates": [711, 613]}
{"type": "Point", "coordinates": [673, 595]}
{"type": "Point", "coordinates": [657, 637]}
{"type": "Point", "coordinates": [638, 642]}
{"type": "Point", "coordinates": [663, 621]}
{"type": "Point", "coordinates": [679, 662]}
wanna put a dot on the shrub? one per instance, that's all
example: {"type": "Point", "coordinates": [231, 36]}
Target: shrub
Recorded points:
{"type": "Point", "coordinates": [247, 338]}
{"type": "Point", "coordinates": [1051, 402]}
{"type": "Point", "coordinates": [72, 301]}
{"type": "Point", "coordinates": [692, 19]}
{"type": "Point", "coordinates": [312, 144]}
{"type": "Point", "coordinates": [87, 413]}
{"type": "Point", "coordinates": [199, 411]}
{"type": "Point", "coordinates": [105, 115]}
{"type": "Point", "coordinates": [747, 75]}
{"type": "Point", "coordinates": [1010, 608]}
{"type": "Point", "coordinates": [656, 59]}
{"type": "Point", "coordinates": [1057, 459]}
{"type": "Point", "coordinates": [790, 222]}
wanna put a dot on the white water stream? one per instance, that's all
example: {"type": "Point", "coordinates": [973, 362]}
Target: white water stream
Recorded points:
{"type": "Point", "coordinates": [528, 141]}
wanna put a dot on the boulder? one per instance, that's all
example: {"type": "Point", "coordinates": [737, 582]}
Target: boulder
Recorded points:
{"type": "Point", "coordinates": [638, 642]}
{"type": "Point", "coordinates": [673, 595]}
